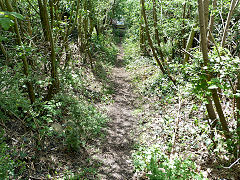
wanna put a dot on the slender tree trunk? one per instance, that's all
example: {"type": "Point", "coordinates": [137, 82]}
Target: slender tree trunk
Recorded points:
{"type": "Point", "coordinates": [80, 33]}
{"type": "Point", "coordinates": [206, 62]}
{"type": "Point", "coordinates": [87, 35]}
{"type": "Point", "coordinates": [189, 44]}
{"type": "Point", "coordinates": [151, 43]}
{"type": "Point", "coordinates": [211, 21]}
{"type": "Point", "coordinates": [155, 20]}
{"type": "Point", "coordinates": [183, 25]}
{"type": "Point", "coordinates": [234, 3]}
{"type": "Point", "coordinates": [2, 5]}
{"type": "Point", "coordinates": [143, 48]}
{"type": "Point", "coordinates": [51, 12]}
{"type": "Point", "coordinates": [68, 32]}
{"type": "Point", "coordinates": [149, 38]}
{"type": "Point", "coordinates": [238, 110]}
{"type": "Point", "coordinates": [29, 27]}
{"type": "Point", "coordinates": [4, 52]}
{"type": "Point", "coordinates": [29, 85]}
{"type": "Point", "coordinates": [53, 87]}
{"type": "Point", "coordinates": [206, 12]}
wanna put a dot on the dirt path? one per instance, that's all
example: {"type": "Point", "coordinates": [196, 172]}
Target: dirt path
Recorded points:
{"type": "Point", "coordinates": [115, 152]}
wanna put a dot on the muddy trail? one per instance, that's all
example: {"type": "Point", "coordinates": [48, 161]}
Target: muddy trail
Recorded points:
{"type": "Point", "coordinates": [115, 151]}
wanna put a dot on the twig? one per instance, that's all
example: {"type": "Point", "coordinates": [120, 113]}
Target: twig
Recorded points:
{"type": "Point", "coordinates": [232, 164]}
{"type": "Point", "coordinates": [33, 7]}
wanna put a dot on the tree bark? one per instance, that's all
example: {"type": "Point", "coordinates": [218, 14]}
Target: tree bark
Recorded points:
{"type": "Point", "coordinates": [29, 85]}
{"type": "Point", "coordinates": [155, 20]}
{"type": "Point", "coordinates": [234, 3]}
{"type": "Point", "coordinates": [5, 54]}
{"type": "Point", "coordinates": [151, 43]}
{"type": "Point", "coordinates": [183, 25]}
{"type": "Point", "coordinates": [211, 21]}
{"type": "Point", "coordinates": [206, 12]}
{"type": "Point", "coordinates": [53, 87]}
{"type": "Point", "coordinates": [189, 44]}
{"type": "Point", "coordinates": [206, 62]}
{"type": "Point", "coordinates": [143, 48]}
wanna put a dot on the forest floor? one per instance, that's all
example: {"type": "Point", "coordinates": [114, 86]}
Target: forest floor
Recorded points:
{"type": "Point", "coordinates": [114, 151]}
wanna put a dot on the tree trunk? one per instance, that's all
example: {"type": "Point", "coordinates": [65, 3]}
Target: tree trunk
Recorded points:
{"type": "Point", "coordinates": [211, 21]}
{"type": "Point", "coordinates": [155, 20]}
{"type": "Point", "coordinates": [206, 12]}
{"type": "Point", "coordinates": [29, 85]}
{"type": "Point", "coordinates": [232, 7]}
{"type": "Point", "coordinates": [206, 62]}
{"type": "Point", "coordinates": [143, 48]}
{"type": "Point", "coordinates": [238, 110]}
{"type": "Point", "coordinates": [183, 26]}
{"type": "Point", "coordinates": [53, 87]}
{"type": "Point", "coordinates": [151, 43]}
{"type": "Point", "coordinates": [189, 44]}
{"type": "Point", "coordinates": [4, 52]}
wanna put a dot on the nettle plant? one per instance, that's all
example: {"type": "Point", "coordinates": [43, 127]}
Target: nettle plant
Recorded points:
{"type": "Point", "coordinates": [222, 67]}
{"type": "Point", "coordinates": [224, 70]}
{"type": "Point", "coordinates": [159, 166]}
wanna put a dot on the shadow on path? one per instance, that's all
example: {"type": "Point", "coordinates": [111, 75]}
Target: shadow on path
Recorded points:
{"type": "Point", "coordinates": [114, 152]}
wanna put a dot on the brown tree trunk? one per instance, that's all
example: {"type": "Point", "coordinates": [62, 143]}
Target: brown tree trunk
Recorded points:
{"type": "Point", "coordinates": [155, 20]}
{"type": "Point", "coordinates": [211, 21]}
{"type": "Point", "coordinates": [234, 3]}
{"type": "Point", "coordinates": [51, 12]}
{"type": "Point", "coordinates": [53, 87]}
{"type": "Point", "coordinates": [206, 12]}
{"type": "Point", "coordinates": [189, 44]}
{"type": "Point", "coordinates": [143, 48]}
{"type": "Point", "coordinates": [151, 43]}
{"type": "Point", "coordinates": [4, 52]}
{"type": "Point", "coordinates": [183, 25]}
{"type": "Point", "coordinates": [29, 85]}
{"type": "Point", "coordinates": [206, 62]}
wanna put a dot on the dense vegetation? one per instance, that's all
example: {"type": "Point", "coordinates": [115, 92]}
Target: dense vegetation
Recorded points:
{"type": "Point", "coordinates": [55, 63]}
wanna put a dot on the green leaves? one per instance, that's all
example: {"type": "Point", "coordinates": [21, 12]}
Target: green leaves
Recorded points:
{"type": "Point", "coordinates": [6, 23]}
{"type": "Point", "coordinates": [158, 165]}
{"type": "Point", "coordinates": [7, 19]}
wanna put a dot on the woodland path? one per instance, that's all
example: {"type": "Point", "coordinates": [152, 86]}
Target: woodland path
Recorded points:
{"type": "Point", "coordinates": [115, 152]}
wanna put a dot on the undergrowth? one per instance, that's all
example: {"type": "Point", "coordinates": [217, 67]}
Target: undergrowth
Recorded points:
{"type": "Point", "coordinates": [159, 166]}
{"type": "Point", "coordinates": [159, 120]}
{"type": "Point", "coordinates": [67, 122]}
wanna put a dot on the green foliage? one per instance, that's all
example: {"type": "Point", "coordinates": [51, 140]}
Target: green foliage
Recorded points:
{"type": "Point", "coordinates": [223, 68]}
{"type": "Point", "coordinates": [69, 117]}
{"type": "Point", "coordinates": [9, 167]}
{"type": "Point", "coordinates": [6, 19]}
{"type": "Point", "coordinates": [84, 122]}
{"type": "Point", "coordinates": [158, 85]}
{"type": "Point", "coordinates": [158, 166]}
{"type": "Point", "coordinates": [103, 48]}
{"type": "Point", "coordinates": [12, 94]}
